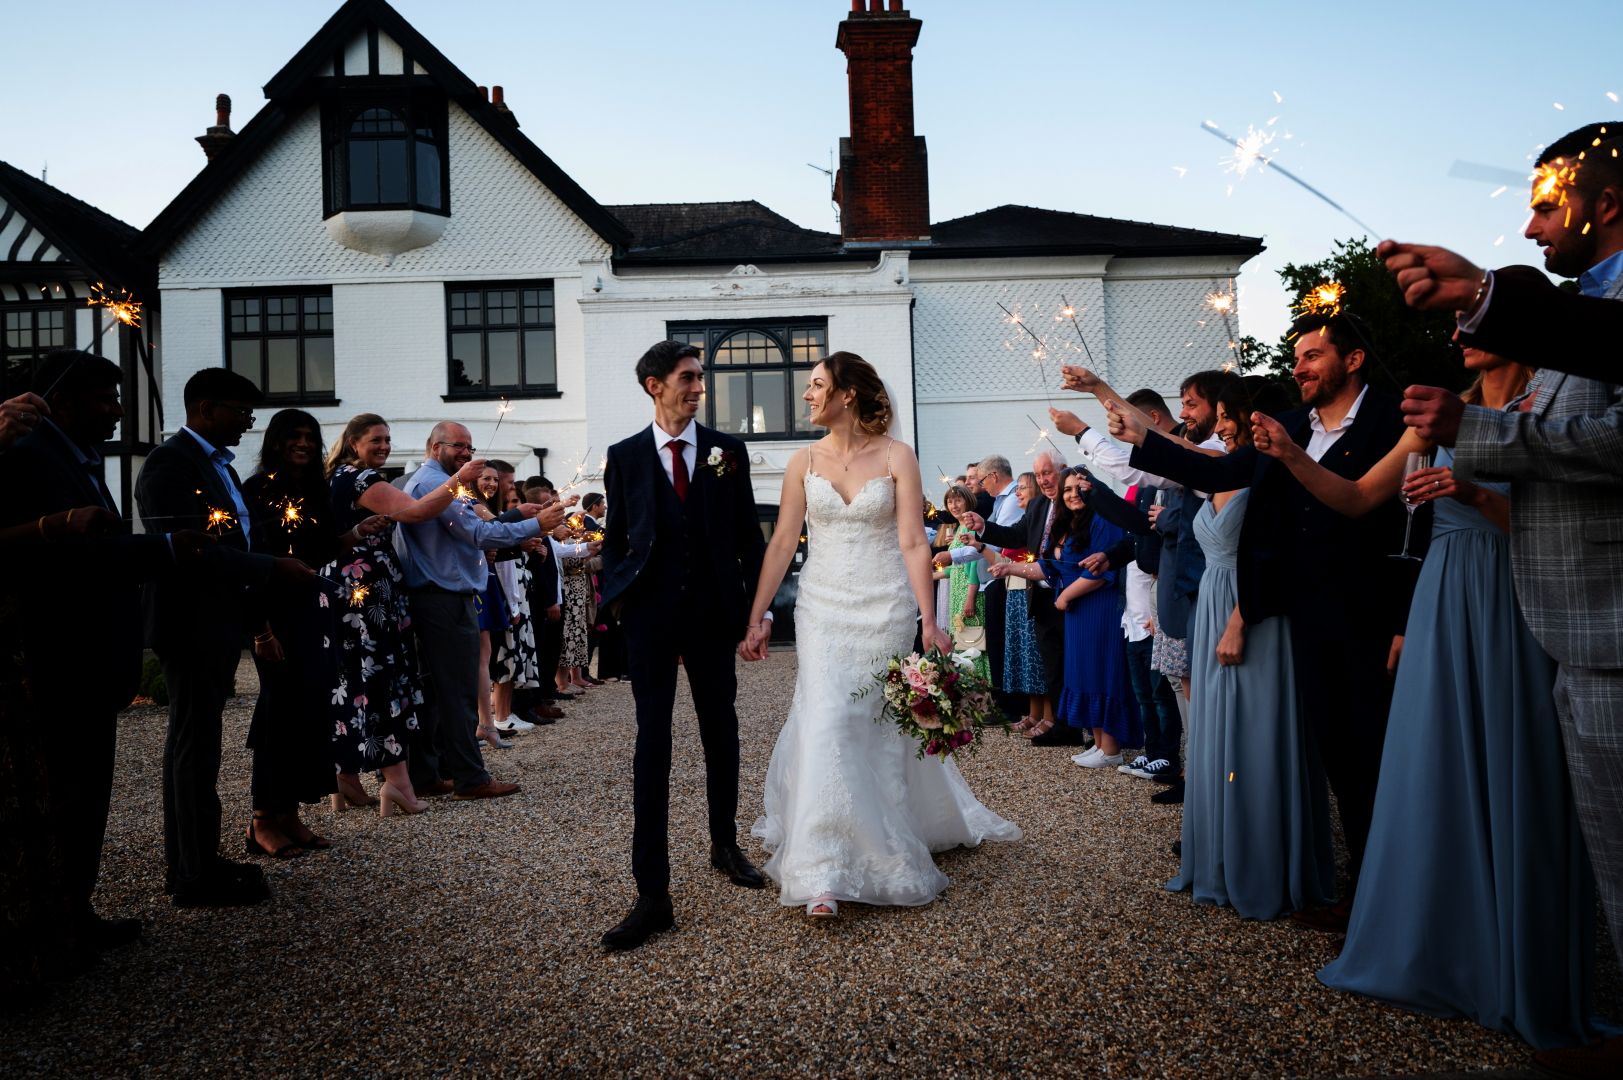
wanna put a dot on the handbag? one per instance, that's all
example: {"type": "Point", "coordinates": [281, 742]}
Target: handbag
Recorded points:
{"type": "Point", "coordinates": [970, 637]}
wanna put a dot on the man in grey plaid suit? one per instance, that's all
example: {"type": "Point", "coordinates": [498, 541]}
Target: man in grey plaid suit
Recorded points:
{"type": "Point", "coordinates": [1561, 446]}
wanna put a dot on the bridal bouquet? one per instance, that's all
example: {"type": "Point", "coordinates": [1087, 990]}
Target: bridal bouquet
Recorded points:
{"type": "Point", "coordinates": [938, 701]}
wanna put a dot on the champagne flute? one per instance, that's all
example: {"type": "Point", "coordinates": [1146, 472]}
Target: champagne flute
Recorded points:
{"type": "Point", "coordinates": [1412, 464]}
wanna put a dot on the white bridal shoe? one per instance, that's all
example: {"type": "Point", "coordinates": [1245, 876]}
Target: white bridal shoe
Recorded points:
{"type": "Point", "coordinates": [823, 907]}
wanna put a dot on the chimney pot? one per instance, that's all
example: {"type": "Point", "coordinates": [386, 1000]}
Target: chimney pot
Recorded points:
{"type": "Point", "coordinates": [896, 6]}
{"type": "Point", "coordinates": [214, 139]}
{"type": "Point", "coordinates": [856, 6]}
{"type": "Point", "coordinates": [496, 95]}
{"type": "Point", "coordinates": [484, 92]}
{"type": "Point", "coordinates": [875, 6]}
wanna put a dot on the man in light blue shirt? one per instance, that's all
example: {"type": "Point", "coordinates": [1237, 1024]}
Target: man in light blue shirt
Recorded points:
{"type": "Point", "coordinates": [445, 568]}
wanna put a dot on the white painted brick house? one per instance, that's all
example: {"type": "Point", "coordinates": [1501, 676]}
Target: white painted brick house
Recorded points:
{"type": "Point", "coordinates": [381, 237]}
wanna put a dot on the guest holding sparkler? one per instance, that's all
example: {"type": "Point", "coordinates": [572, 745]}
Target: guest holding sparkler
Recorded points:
{"type": "Point", "coordinates": [1476, 897]}
{"type": "Point", "coordinates": [1346, 599]}
{"type": "Point", "coordinates": [445, 568]}
{"type": "Point", "coordinates": [965, 603]}
{"type": "Point", "coordinates": [73, 564]}
{"type": "Point", "coordinates": [496, 607]}
{"type": "Point", "coordinates": [198, 628]}
{"type": "Point", "coordinates": [1022, 661]}
{"type": "Point", "coordinates": [290, 734]}
{"type": "Point", "coordinates": [514, 663]}
{"type": "Point", "coordinates": [376, 699]}
{"type": "Point", "coordinates": [579, 603]}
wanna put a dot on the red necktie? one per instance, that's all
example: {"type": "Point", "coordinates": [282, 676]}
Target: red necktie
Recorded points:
{"type": "Point", "coordinates": [679, 468]}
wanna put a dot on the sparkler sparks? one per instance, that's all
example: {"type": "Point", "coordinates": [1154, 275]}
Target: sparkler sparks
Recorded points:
{"type": "Point", "coordinates": [1069, 312]}
{"type": "Point", "coordinates": [292, 512]}
{"type": "Point", "coordinates": [1223, 304]}
{"type": "Point", "coordinates": [502, 409]}
{"type": "Point", "coordinates": [1323, 299]}
{"type": "Point", "coordinates": [119, 301]}
{"type": "Point", "coordinates": [1248, 152]}
{"type": "Point", "coordinates": [1552, 180]}
{"type": "Point", "coordinates": [218, 520]}
{"type": "Point", "coordinates": [357, 595]}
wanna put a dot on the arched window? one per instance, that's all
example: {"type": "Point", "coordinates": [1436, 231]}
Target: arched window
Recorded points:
{"type": "Point", "coordinates": [756, 372]}
{"type": "Point", "coordinates": [386, 155]}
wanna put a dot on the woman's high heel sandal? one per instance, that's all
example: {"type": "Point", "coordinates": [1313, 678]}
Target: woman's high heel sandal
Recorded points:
{"type": "Point", "coordinates": [392, 799]}
{"type": "Point", "coordinates": [349, 797]}
{"type": "Point", "coordinates": [823, 907]}
{"type": "Point", "coordinates": [493, 738]}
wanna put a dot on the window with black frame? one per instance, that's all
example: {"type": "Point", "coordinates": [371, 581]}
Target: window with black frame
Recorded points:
{"type": "Point", "coordinates": [502, 339]}
{"type": "Point", "coordinates": [385, 153]}
{"type": "Point", "coordinates": [29, 332]}
{"type": "Point", "coordinates": [756, 372]}
{"type": "Point", "coordinates": [282, 342]}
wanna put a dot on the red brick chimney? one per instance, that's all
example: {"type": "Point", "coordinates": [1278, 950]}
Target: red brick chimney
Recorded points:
{"type": "Point", "coordinates": [883, 186]}
{"type": "Point", "coordinates": [213, 139]}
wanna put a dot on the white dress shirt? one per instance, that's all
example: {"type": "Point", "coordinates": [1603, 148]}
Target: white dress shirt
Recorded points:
{"type": "Point", "coordinates": [1324, 438]}
{"type": "Point", "coordinates": [1140, 603]}
{"type": "Point", "coordinates": [690, 452]}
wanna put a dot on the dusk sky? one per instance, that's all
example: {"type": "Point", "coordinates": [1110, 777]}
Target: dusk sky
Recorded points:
{"type": "Point", "coordinates": [1086, 107]}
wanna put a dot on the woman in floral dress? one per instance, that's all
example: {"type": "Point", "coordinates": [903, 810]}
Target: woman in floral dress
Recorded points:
{"type": "Point", "coordinates": [967, 603]}
{"type": "Point", "coordinates": [374, 704]}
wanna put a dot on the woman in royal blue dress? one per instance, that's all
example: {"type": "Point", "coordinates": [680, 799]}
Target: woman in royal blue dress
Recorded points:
{"type": "Point", "coordinates": [1098, 692]}
{"type": "Point", "coordinates": [1475, 898]}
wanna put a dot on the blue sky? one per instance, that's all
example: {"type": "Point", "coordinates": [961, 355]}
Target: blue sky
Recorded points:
{"type": "Point", "coordinates": [1086, 107]}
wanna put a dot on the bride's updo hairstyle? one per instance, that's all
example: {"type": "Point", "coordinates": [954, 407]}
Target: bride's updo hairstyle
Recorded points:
{"type": "Point", "coordinates": [848, 371]}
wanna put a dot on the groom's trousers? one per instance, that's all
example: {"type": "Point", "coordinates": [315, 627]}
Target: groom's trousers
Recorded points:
{"type": "Point", "coordinates": [653, 649]}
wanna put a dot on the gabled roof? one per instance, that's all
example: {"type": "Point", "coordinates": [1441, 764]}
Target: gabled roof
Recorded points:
{"type": "Point", "coordinates": [743, 231]}
{"type": "Point", "coordinates": [94, 241]}
{"type": "Point", "coordinates": [1029, 230]}
{"type": "Point", "coordinates": [291, 90]}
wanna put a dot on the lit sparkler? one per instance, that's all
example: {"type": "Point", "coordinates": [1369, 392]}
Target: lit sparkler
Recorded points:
{"type": "Point", "coordinates": [357, 595]}
{"type": "Point", "coordinates": [1039, 351]}
{"type": "Point", "coordinates": [218, 520]}
{"type": "Point", "coordinates": [1223, 304]}
{"type": "Point", "coordinates": [292, 512]}
{"type": "Point", "coordinates": [1069, 312]}
{"type": "Point", "coordinates": [461, 492]}
{"type": "Point", "coordinates": [1323, 299]}
{"type": "Point", "coordinates": [502, 409]}
{"type": "Point", "coordinates": [125, 308]}
{"type": "Point", "coordinates": [1552, 180]}
{"type": "Point", "coordinates": [1042, 435]}
{"type": "Point", "coordinates": [1248, 152]}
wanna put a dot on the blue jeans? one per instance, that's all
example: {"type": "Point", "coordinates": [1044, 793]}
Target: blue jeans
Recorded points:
{"type": "Point", "coordinates": [1157, 704]}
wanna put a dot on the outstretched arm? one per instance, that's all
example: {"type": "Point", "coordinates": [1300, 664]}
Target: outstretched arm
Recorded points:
{"type": "Point", "coordinates": [1353, 498]}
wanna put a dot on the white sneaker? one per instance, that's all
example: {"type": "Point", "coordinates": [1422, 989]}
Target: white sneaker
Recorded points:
{"type": "Point", "coordinates": [1087, 757]}
{"type": "Point", "coordinates": [1137, 763]}
{"type": "Point", "coordinates": [513, 725]}
{"type": "Point", "coordinates": [1101, 760]}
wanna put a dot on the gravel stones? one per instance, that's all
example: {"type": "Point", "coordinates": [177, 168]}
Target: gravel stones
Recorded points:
{"type": "Point", "coordinates": [465, 940]}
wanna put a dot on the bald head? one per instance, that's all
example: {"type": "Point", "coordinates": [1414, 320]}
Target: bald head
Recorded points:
{"type": "Point", "coordinates": [450, 444]}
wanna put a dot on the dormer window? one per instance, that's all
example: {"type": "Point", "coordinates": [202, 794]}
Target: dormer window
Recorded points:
{"type": "Point", "coordinates": [385, 152]}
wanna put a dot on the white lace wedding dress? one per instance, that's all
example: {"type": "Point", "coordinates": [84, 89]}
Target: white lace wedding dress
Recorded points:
{"type": "Point", "coordinates": [851, 812]}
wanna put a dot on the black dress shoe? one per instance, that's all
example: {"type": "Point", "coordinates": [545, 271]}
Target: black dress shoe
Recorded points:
{"type": "Point", "coordinates": [229, 885]}
{"type": "Point", "coordinates": [1171, 795]}
{"type": "Point", "coordinates": [1059, 735]}
{"type": "Point", "coordinates": [103, 934]}
{"type": "Point", "coordinates": [730, 860]}
{"type": "Point", "coordinates": [649, 916]}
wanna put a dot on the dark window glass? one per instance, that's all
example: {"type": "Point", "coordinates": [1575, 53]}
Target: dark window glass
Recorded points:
{"type": "Point", "coordinates": [283, 343]}
{"type": "Point", "coordinates": [756, 372]}
{"type": "Point", "coordinates": [502, 338]}
{"type": "Point", "coordinates": [385, 156]}
{"type": "Point", "coordinates": [27, 332]}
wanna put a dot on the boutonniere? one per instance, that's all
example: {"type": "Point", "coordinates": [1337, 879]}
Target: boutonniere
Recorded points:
{"type": "Point", "coordinates": [720, 461]}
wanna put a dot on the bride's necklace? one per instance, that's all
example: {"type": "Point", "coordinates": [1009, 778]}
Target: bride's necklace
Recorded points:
{"type": "Point", "coordinates": [852, 456]}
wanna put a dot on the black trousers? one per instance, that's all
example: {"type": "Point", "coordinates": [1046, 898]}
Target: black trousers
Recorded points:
{"type": "Point", "coordinates": [78, 774]}
{"type": "Point", "coordinates": [1345, 694]}
{"type": "Point", "coordinates": [997, 594]}
{"type": "Point", "coordinates": [652, 652]}
{"type": "Point", "coordinates": [447, 745]}
{"type": "Point", "coordinates": [199, 675]}
{"type": "Point", "coordinates": [291, 730]}
{"type": "Point", "coordinates": [1048, 623]}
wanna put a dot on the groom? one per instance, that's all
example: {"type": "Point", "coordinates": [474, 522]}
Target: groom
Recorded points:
{"type": "Point", "coordinates": [681, 551]}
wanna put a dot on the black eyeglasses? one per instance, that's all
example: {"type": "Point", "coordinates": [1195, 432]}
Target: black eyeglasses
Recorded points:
{"type": "Point", "coordinates": [458, 446]}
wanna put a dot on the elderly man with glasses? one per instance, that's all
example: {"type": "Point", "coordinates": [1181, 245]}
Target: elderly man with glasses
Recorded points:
{"type": "Point", "coordinates": [445, 569]}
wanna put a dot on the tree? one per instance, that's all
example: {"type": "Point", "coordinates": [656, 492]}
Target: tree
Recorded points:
{"type": "Point", "coordinates": [1410, 347]}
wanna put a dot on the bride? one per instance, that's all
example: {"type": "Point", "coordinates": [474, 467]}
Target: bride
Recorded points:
{"type": "Point", "coordinates": [851, 813]}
